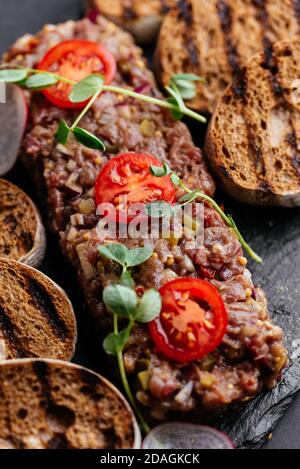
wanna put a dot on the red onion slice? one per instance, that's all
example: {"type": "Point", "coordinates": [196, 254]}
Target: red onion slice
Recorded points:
{"type": "Point", "coordinates": [92, 15]}
{"type": "Point", "coordinates": [176, 435]}
{"type": "Point", "coordinates": [13, 119]}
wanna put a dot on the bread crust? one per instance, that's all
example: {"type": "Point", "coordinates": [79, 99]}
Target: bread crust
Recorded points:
{"type": "Point", "coordinates": [36, 315]}
{"type": "Point", "coordinates": [216, 38]}
{"type": "Point", "coordinates": [55, 405]}
{"type": "Point", "coordinates": [253, 137]}
{"type": "Point", "coordinates": [23, 236]}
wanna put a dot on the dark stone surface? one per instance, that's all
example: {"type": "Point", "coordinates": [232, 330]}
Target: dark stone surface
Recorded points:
{"type": "Point", "coordinates": [274, 233]}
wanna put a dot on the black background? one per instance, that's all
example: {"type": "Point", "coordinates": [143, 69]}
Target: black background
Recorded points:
{"type": "Point", "coordinates": [274, 233]}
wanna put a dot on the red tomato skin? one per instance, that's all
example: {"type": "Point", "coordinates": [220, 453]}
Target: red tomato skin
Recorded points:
{"type": "Point", "coordinates": [209, 294]}
{"type": "Point", "coordinates": [64, 47]}
{"type": "Point", "coordinates": [106, 189]}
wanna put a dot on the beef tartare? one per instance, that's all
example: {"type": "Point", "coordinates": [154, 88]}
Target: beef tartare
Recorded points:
{"type": "Point", "coordinates": [251, 355]}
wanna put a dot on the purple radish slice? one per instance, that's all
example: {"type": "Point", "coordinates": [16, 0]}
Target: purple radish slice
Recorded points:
{"type": "Point", "coordinates": [176, 435]}
{"type": "Point", "coordinates": [13, 120]}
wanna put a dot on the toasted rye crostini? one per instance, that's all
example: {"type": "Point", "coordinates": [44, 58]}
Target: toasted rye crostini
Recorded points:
{"type": "Point", "coordinates": [215, 38]}
{"type": "Point", "coordinates": [36, 316]}
{"type": "Point", "coordinates": [254, 136]}
{"type": "Point", "coordinates": [22, 233]}
{"type": "Point", "coordinates": [49, 404]}
{"type": "Point", "coordinates": [251, 356]}
{"type": "Point", "coordinates": [141, 18]}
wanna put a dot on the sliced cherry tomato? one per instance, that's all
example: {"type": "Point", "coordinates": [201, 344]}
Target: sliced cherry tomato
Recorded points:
{"type": "Point", "coordinates": [128, 174]}
{"type": "Point", "coordinates": [193, 320]}
{"type": "Point", "coordinates": [75, 60]}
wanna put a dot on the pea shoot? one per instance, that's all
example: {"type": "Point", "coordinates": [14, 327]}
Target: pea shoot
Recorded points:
{"type": "Point", "coordinates": [122, 301]}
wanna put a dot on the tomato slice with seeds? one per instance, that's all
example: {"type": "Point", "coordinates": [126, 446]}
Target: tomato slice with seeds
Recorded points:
{"type": "Point", "coordinates": [193, 320]}
{"type": "Point", "coordinates": [75, 59]}
{"type": "Point", "coordinates": [128, 174]}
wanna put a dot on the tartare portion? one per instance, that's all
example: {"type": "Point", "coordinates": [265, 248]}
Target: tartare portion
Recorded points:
{"type": "Point", "coordinates": [245, 354]}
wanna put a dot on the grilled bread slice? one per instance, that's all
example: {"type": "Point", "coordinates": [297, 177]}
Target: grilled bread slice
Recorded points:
{"type": "Point", "coordinates": [22, 234]}
{"type": "Point", "coordinates": [48, 404]}
{"type": "Point", "coordinates": [253, 143]}
{"type": "Point", "coordinates": [141, 18]}
{"type": "Point", "coordinates": [36, 316]}
{"type": "Point", "coordinates": [215, 38]}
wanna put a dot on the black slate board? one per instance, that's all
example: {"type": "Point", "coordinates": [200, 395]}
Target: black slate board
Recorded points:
{"type": "Point", "coordinates": [272, 232]}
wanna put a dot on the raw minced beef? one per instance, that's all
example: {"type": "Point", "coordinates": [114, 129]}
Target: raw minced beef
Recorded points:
{"type": "Point", "coordinates": [251, 356]}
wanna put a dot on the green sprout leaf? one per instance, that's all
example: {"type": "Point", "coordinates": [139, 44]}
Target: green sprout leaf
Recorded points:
{"type": "Point", "coordinates": [125, 257]}
{"type": "Point", "coordinates": [188, 93]}
{"type": "Point", "coordinates": [62, 133]}
{"type": "Point", "coordinates": [88, 139]}
{"type": "Point", "coordinates": [167, 169]}
{"type": "Point", "coordinates": [114, 252]}
{"type": "Point", "coordinates": [111, 344]}
{"type": "Point", "coordinates": [115, 343]}
{"type": "Point", "coordinates": [175, 179]}
{"type": "Point", "coordinates": [175, 94]}
{"type": "Point", "coordinates": [120, 300]}
{"type": "Point", "coordinates": [176, 113]}
{"type": "Point", "coordinates": [13, 76]}
{"type": "Point", "coordinates": [188, 77]}
{"type": "Point", "coordinates": [41, 80]}
{"type": "Point", "coordinates": [184, 84]}
{"type": "Point", "coordinates": [138, 255]}
{"type": "Point", "coordinates": [149, 306]}
{"type": "Point", "coordinates": [158, 171]}
{"type": "Point", "coordinates": [86, 88]}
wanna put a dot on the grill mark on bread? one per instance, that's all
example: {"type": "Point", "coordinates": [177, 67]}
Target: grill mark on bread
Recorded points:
{"type": "Point", "coordinates": [41, 371]}
{"type": "Point", "coordinates": [11, 222]}
{"type": "Point", "coordinates": [164, 7]}
{"type": "Point", "coordinates": [89, 378]}
{"type": "Point", "coordinates": [45, 305]}
{"type": "Point", "coordinates": [26, 240]}
{"type": "Point", "coordinates": [8, 330]}
{"type": "Point", "coordinates": [7, 208]}
{"type": "Point", "coordinates": [269, 63]}
{"type": "Point", "coordinates": [297, 9]}
{"type": "Point", "coordinates": [185, 13]}
{"type": "Point", "coordinates": [91, 384]}
{"type": "Point", "coordinates": [129, 12]}
{"type": "Point", "coordinates": [225, 16]}
{"type": "Point", "coordinates": [240, 84]}
{"type": "Point", "coordinates": [52, 409]}
{"type": "Point", "coordinates": [291, 139]}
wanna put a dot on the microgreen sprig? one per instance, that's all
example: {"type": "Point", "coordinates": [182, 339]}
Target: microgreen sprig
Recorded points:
{"type": "Point", "coordinates": [89, 89]}
{"type": "Point", "coordinates": [181, 87]}
{"type": "Point", "coordinates": [191, 196]}
{"type": "Point", "coordinates": [122, 301]}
